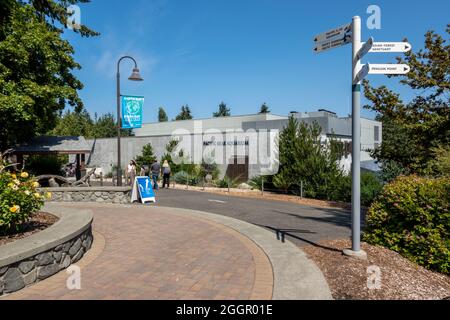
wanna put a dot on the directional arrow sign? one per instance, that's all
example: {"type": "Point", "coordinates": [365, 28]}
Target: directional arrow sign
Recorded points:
{"type": "Point", "coordinates": [362, 74]}
{"type": "Point", "coordinates": [389, 69]}
{"type": "Point", "coordinates": [328, 45]}
{"type": "Point", "coordinates": [365, 49]}
{"type": "Point", "coordinates": [340, 33]}
{"type": "Point", "coordinates": [386, 47]}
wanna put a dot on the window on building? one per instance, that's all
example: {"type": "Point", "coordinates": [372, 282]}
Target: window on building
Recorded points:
{"type": "Point", "coordinates": [377, 133]}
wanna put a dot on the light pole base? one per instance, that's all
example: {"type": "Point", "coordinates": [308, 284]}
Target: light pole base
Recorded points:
{"type": "Point", "coordinates": [360, 255]}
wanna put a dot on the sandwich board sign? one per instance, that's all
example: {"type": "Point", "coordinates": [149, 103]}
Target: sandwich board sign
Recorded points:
{"type": "Point", "coordinates": [143, 190]}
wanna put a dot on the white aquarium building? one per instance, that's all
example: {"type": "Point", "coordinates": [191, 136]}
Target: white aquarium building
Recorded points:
{"type": "Point", "coordinates": [243, 146]}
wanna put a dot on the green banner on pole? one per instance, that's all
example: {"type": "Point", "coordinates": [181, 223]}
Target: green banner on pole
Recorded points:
{"type": "Point", "coordinates": [132, 107]}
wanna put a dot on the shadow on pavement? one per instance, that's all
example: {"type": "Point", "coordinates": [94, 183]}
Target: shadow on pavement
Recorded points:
{"type": "Point", "coordinates": [282, 233]}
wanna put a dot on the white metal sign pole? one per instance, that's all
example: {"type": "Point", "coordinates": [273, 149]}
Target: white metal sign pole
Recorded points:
{"type": "Point", "coordinates": [356, 139]}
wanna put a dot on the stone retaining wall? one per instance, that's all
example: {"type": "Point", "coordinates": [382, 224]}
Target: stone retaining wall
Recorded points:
{"type": "Point", "coordinates": [116, 195]}
{"type": "Point", "coordinates": [39, 256]}
{"type": "Point", "coordinates": [21, 274]}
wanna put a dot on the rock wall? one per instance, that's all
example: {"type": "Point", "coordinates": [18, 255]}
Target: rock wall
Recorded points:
{"type": "Point", "coordinates": [16, 276]}
{"type": "Point", "coordinates": [116, 195]}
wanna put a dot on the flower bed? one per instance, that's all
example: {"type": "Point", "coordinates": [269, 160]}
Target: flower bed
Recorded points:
{"type": "Point", "coordinates": [19, 199]}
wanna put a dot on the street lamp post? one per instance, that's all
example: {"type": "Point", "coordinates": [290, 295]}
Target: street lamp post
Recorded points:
{"type": "Point", "coordinates": [135, 76]}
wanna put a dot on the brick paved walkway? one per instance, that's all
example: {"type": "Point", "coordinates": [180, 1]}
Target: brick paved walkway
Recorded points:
{"type": "Point", "coordinates": [159, 254]}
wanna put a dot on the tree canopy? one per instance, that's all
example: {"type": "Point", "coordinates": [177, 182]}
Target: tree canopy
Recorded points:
{"type": "Point", "coordinates": [36, 68]}
{"type": "Point", "coordinates": [36, 79]}
{"type": "Point", "coordinates": [52, 12]}
{"type": "Point", "coordinates": [264, 108]}
{"type": "Point", "coordinates": [413, 131]}
{"type": "Point", "coordinates": [162, 115]}
{"type": "Point", "coordinates": [81, 124]}
{"type": "Point", "coordinates": [304, 158]}
{"type": "Point", "coordinates": [223, 111]}
{"type": "Point", "coordinates": [185, 113]}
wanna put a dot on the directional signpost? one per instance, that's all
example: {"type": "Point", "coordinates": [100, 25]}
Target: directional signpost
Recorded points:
{"type": "Point", "coordinates": [386, 47]}
{"type": "Point", "coordinates": [336, 38]}
{"type": "Point", "coordinates": [362, 74]}
{"type": "Point", "coordinates": [333, 39]}
{"type": "Point", "coordinates": [365, 49]}
{"type": "Point", "coordinates": [389, 69]}
{"type": "Point", "coordinates": [341, 32]}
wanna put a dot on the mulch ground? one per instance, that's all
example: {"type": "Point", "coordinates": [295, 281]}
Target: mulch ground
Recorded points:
{"type": "Point", "coordinates": [400, 278]}
{"type": "Point", "coordinates": [39, 222]}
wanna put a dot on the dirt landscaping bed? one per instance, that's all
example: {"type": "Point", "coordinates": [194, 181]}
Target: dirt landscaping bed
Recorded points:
{"type": "Point", "coordinates": [39, 222]}
{"type": "Point", "coordinates": [400, 278]}
{"type": "Point", "coordinates": [257, 194]}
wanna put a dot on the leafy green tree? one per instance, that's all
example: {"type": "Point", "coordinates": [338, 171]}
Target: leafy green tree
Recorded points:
{"type": "Point", "coordinates": [162, 115]}
{"type": "Point", "coordinates": [223, 111]}
{"type": "Point", "coordinates": [106, 127]}
{"type": "Point", "coordinates": [413, 130]}
{"type": "Point", "coordinates": [147, 157]}
{"type": "Point", "coordinates": [74, 124]}
{"type": "Point", "coordinates": [264, 108]}
{"type": "Point", "coordinates": [36, 72]}
{"type": "Point", "coordinates": [185, 113]}
{"type": "Point", "coordinates": [170, 153]}
{"type": "Point", "coordinates": [81, 124]}
{"type": "Point", "coordinates": [52, 12]}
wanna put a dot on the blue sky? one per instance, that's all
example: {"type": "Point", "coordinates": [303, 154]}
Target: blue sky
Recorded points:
{"type": "Point", "coordinates": [202, 52]}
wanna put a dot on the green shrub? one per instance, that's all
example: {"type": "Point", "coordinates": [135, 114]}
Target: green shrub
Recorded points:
{"type": "Point", "coordinates": [256, 182]}
{"type": "Point", "coordinates": [371, 187]}
{"type": "Point", "coordinates": [411, 217]}
{"type": "Point", "coordinates": [19, 199]}
{"type": "Point", "coordinates": [225, 182]}
{"type": "Point", "coordinates": [182, 177]}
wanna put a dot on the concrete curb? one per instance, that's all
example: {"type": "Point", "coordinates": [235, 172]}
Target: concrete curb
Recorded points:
{"type": "Point", "coordinates": [295, 276]}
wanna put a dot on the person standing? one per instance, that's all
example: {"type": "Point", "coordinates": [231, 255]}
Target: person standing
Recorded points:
{"type": "Point", "coordinates": [166, 174]}
{"type": "Point", "coordinates": [131, 172]}
{"type": "Point", "coordinates": [155, 170]}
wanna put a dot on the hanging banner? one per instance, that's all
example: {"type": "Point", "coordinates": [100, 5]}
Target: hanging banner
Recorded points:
{"type": "Point", "coordinates": [143, 190]}
{"type": "Point", "coordinates": [132, 112]}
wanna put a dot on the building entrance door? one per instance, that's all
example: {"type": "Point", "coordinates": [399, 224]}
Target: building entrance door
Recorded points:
{"type": "Point", "coordinates": [238, 169]}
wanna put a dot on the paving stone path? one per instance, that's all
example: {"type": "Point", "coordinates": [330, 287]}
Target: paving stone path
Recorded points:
{"type": "Point", "coordinates": [159, 254]}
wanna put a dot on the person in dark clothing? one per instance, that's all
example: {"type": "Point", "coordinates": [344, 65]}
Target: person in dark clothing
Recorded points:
{"type": "Point", "coordinates": [166, 174]}
{"type": "Point", "coordinates": [155, 171]}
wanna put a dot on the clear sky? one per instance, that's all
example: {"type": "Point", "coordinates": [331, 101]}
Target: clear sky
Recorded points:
{"type": "Point", "coordinates": [242, 52]}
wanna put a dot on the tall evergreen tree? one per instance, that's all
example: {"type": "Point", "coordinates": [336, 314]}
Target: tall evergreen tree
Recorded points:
{"type": "Point", "coordinates": [224, 111]}
{"type": "Point", "coordinates": [264, 108]}
{"type": "Point", "coordinates": [147, 157]}
{"type": "Point", "coordinates": [304, 158]}
{"type": "Point", "coordinates": [185, 113]}
{"type": "Point", "coordinates": [162, 115]}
